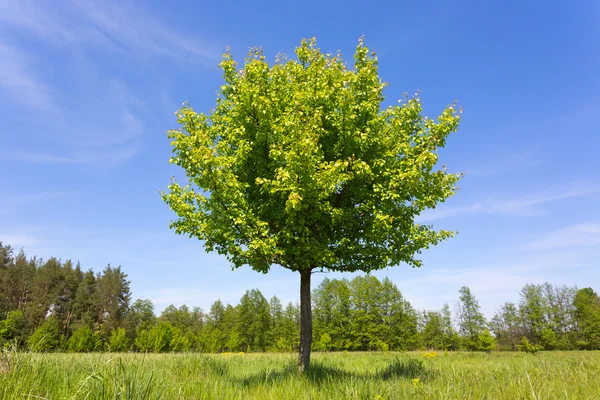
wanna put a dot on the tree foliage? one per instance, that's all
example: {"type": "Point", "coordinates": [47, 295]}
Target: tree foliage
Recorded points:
{"type": "Point", "coordinates": [363, 313]}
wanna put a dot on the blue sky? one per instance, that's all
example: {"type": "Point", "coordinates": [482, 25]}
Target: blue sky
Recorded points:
{"type": "Point", "coordinates": [88, 90]}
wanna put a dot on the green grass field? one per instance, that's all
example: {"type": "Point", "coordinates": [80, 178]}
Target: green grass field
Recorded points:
{"type": "Point", "coordinates": [546, 375]}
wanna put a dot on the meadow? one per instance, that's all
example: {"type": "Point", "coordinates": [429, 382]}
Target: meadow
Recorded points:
{"type": "Point", "coordinates": [419, 375]}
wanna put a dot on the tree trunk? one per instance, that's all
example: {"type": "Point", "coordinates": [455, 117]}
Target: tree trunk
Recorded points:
{"type": "Point", "coordinates": [305, 322]}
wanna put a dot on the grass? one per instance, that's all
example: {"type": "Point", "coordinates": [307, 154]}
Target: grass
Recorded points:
{"type": "Point", "coordinates": [547, 375]}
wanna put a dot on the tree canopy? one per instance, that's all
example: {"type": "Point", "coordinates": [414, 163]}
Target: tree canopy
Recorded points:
{"type": "Point", "coordinates": [299, 165]}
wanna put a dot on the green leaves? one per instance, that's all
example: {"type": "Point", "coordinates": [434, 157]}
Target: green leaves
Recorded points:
{"type": "Point", "coordinates": [299, 166]}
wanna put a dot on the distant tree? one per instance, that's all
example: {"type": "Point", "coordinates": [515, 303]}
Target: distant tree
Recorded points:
{"type": "Point", "coordinates": [16, 281]}
{"type": "Point", "coordinates": [433, 330]}
{"type": "Point", "coordinates": [276, 318]}
{"type": "Point", "coordinates": [143, 341]}
{"type": "Point", "coordinates": [332, 312]}
{"type": "Point", "coordinates": [118, 341]}
{"type": "Point", "coordinates": [12, 329]}
{"type": "Point", "coordinates": [83, 306]}
{"type": "Point", "coordinates": [139, 317]}
{"type": "Point", "coordinates": [534, 311]}
{"type": "Point", "coordinates": [46, 337]}
{"type": "Point", "coordinates": [230, 336]}
{"type": "Point", "coordinates": [84, 340]}
{"type": "Point", "coordinates": [300, 166]}
{"type": "Point", "coordinates": [254, 321]}
{"type": "Point", "coordinates": [506, 325]}
{"type": "Point", "coordinates": [471, 321]}
{"type": "Point", "coordinates": [400, 317]}
{"type": "Point", "coordinates": [291, 328]}
{"type": "Point", "coordinates": [451, 338]}
{"type": "Point", "coordinates": [587, 314]}
{"type": "Point", "coordinates": [367, 313]}
{"type": "Point", "coordinates": [160, 337]}
{"type": "Point", "coordinates": [111, 299]}
{"type": "Point", "coordinates": [486, 342]}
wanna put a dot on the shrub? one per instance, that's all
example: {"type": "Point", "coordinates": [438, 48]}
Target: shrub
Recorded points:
{"type": "Point", "coordinates": [118, 341]}
{"type": "Point", "coordinates": [84, 340]}
{"type": "Point", "coordinates": [46, 337]}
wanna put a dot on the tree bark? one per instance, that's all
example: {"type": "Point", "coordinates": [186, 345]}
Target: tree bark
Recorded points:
{"type": "Point", "coordinates": [305, 322]}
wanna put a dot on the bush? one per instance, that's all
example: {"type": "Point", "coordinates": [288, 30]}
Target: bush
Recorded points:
{"type": "Point", "coordinates": [486, 342]}
{"type": "Point", "coordinates": [46, 337]}
{"type": "Point", "coordinates": [142, 342]}
{"type": "Point", "coordinates": [11, 329]}
{"type": "Point", "coordinates": [527, 347]}
{"type": "Point", "coordinates": [84, 340]}
{"type": "Point", "coordinates": [118, 341]}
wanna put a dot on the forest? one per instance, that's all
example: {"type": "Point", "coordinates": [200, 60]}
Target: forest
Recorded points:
{"type": "Point", "coordinates": [51, 305]}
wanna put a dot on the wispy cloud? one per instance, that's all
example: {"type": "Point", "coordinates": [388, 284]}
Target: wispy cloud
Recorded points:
{"type": "Point", "coordinates": [580, 235]}
{"type": "Point", "coordinates": [93, 118]}
{"type": "Point", "coordinates": [115, 26]}
{"type": "Point", "coordinates": [525, 205]}
{"type": "Point", "coordinates": [17, 80]}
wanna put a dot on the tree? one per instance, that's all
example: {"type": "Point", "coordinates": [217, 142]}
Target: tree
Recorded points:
{"type": "Point", "coordinates": [433, 332]}
{"type": "Point", "coordinates": [486, 342]}
{"type": "Point", "coordinates": [111, 299]}
{"type": "Point", "coordinates": [587, 304]}
{"type": "Point", "coordinates": [84, 340]}
{"type": "Point", "coordinates": [118, 341]}
{"type": "Point", "coordinates": [276, 311]}
{"type": "Point", "coordinates": [506, 325]}
{"type": "Point", "coordinates": [300, 166]}
{"type": "Point", "coordinates": [46, 337]}
{"type": "Point", "coordinates": [470, 319]}
{"type": "Point", "coordinates": [254, 320]}
{"type": "Point", "coordinates": [139, 317]}
{"type": "Point", "coordinates": [11, 329]}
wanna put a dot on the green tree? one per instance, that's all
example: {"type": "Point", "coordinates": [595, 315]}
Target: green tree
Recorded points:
{"type": "Point", "coordinates": [451, 338]}
{"type": "Point", "coordinates": [276, 311]}
{"type": "Point", "coordinates": [291, 328]}
{"type": "Point", "coordinates": [12, 328]}
{"type": "Point", "coordinates": [470, 319]}
{"type": "Point", "coordinates": [587, 314]}
{"type": "Point", "coordinates": [300, 166]}
{"type": "Point", "coordinates": [506, 325]}
{"type": "Point", "coordinates": [118, 341]}
{"type": "Point", "coordinates": [486, 342]}
{"type": "Point", "coordinates": [111, 299]}
{"type": "Point", "coordinates": [433, 330]}
{"type": "Point", "coordinates": [534, 311]}
{"type": "Point", "coordinates": [46, 337]}
{"type": "Point", "coordinates": [83, 305]}
{"type": "Point", "coordinates": [84, 340]}
{"type": "Point", "coordinates": [254, 321]}
{"type": "Point", "coordinates": [139, 317]}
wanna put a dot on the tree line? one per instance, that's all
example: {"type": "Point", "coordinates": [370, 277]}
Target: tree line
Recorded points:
{"type": "Point", "coordinates": [57, 306]}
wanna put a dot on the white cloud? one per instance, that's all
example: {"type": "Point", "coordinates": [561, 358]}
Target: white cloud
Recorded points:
{"type": "Point", "coordinates": [580, 235]}
{"type": "Point", "coordinates": [527, 205]}
{"type": "Point", "coordinates": [115, 26]}
{"type": "Point", "coordinates": [98, 119]}
{"type": "Point", "coordinates": [18, 81]}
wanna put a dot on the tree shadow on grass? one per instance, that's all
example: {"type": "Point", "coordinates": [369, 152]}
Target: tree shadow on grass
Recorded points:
{"type": "Point", "coordinates": [319, 373]}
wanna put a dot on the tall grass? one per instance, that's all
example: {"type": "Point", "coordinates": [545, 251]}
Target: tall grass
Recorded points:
{"type": "Point", "coordinates": [547, 375]}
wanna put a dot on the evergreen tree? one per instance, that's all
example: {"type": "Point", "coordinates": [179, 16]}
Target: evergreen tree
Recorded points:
{"type": "Point", "coordinates": [111, 299]}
